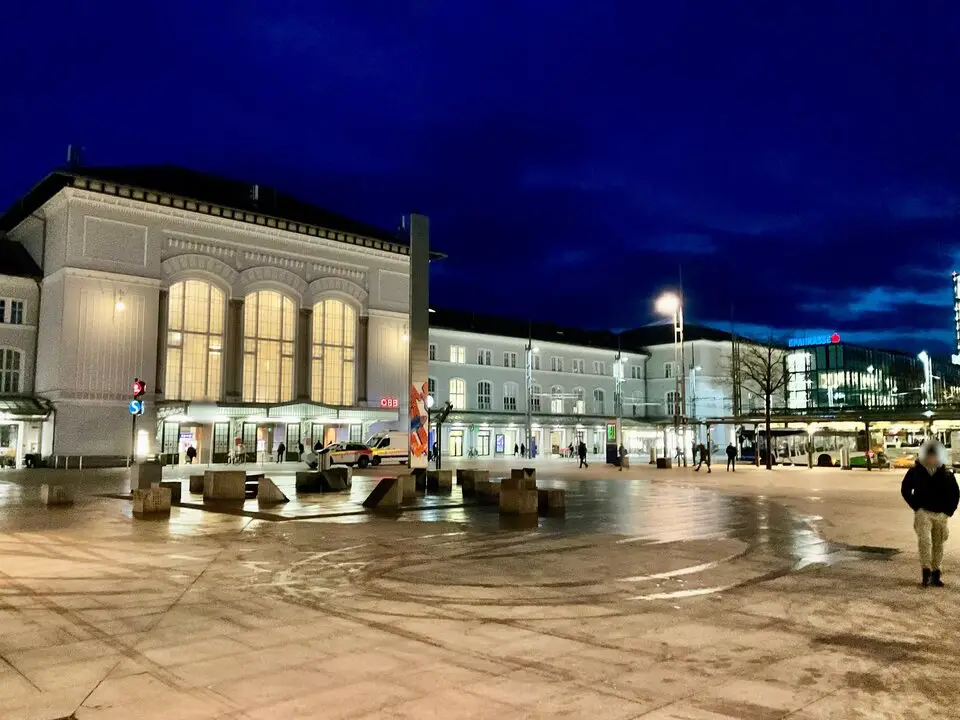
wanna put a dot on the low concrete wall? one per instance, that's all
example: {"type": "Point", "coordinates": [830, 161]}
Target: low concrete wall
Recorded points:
{"type": "Point", "coordinates": [269, 494]}
{"type": "Point", "coordinates": [56, 494]}
{"type": "Point", "coordinates": [224, 485]}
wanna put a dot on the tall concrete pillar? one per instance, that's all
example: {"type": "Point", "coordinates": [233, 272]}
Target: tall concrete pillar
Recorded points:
{"type": "Point", "coordinates": [304, 353]}
{"type": "Point", "coordinates": [419, 339]}
{"type": "Point", "coordinates": [233, 358]}
{"type": "Point", "coordinates": [162, 323]}
{"type": "Point", "coordinates": [363, 332]}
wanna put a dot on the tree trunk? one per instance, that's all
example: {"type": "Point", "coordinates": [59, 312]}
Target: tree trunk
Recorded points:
{"type": "Point", "coordinates": [769, 439]}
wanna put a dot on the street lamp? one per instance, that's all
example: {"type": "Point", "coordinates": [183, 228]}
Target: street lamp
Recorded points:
{"type": "Point", "coordinates": [670, 304]}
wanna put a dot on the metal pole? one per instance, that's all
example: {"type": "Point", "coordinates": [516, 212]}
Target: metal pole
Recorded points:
{"type": "Point", "coordinates": [529, 393]}
{"type": "Point", "coordinates": [133, 439]}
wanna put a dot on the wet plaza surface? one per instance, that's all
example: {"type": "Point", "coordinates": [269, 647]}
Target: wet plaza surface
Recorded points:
{"type": "Point", "coordinates": [658, 597]}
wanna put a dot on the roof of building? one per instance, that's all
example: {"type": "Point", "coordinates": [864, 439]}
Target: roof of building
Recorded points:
{"type": "Point", "coordinates": [202, 188]}
{"type": "Point", "coordinates": [15, 260]}
{"type": "Point", "coordinates": [635, 340]}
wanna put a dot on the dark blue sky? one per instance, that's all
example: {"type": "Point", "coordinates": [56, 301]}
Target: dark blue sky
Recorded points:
{"type": "Point", "coordinates": [800, 160]}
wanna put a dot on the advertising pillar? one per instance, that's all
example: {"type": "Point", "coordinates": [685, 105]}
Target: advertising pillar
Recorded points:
{"type": "Point", "coordinates": [419, 339]}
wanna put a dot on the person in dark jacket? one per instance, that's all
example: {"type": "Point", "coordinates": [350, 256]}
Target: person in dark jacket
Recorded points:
{"type": "Point", "coordinates": [731, 457]}
{"type": "Point", "coordinates": [581, 452]}
{"type": "Point", "coordinates": [932, 493]}
{"type": "Point", "coordinates": [281, 451]}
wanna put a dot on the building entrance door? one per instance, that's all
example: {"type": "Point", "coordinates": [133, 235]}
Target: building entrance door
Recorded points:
{"type": "Point", "coordinates": [483, 444]}
{"type": "Point", "coordinates": [456, 443]}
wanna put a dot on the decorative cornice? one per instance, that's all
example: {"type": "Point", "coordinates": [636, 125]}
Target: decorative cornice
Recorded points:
{"type": "Point", "coordinates": [253, 259]}
{"type": "Point", "coordinates": [185, 243]}
{"type": "Point", "coordinates": [122, 192]}
{"type": "Point", "coordinates": [338, 285]}
{"type": "Point", "coordinates": [355, 274]}
{"type": "Point", "coordinates": [101, 275]}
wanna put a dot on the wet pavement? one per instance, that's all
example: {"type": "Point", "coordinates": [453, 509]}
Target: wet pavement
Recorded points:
{"type": "Point", "coordinates": [655, 596]}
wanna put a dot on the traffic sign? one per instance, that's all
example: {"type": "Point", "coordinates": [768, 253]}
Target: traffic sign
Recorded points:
{"type": "Point", "coordinates": [135, 407]}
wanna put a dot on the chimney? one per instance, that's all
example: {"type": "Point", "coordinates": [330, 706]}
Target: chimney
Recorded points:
{"type": "Point", "coordinates": [255, 193]}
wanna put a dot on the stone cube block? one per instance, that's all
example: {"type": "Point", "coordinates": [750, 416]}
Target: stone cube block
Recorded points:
{"type": "Point", "coordinates": [408, 485]}
{"type": "Point", "coordinates": [56, 494]}
{"type": "Point", "coordinates": [518, 483]}
{"type": "Point", "coordinates": [196, 484]}
{"type": "Point", "coordinates": [518, 502]}
{"type": "Point", "coordinates": [440, 480]}
{"type": "Point", "coordinates": [529, 473]}
{"type": "Point", "coordinates": [224, 485]}
{"type": "Point", "coordinates": [175, 487]}
{"type": "Point", "coordinates": [550, 501]}
{"type": "Point", "coordinates": [152, 501]}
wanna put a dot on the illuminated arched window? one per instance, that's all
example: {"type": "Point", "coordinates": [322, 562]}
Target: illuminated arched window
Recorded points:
{"type": "Point", "coordinates": [195, 317]}
{"type": "Point", "coordinates": [458, 394]}
{"type": "Point", "coordinates": [269, 327]}
{"type": "Point", "coordinates": [333, 368]}
{"type": "Point", "coordinates": [579, 405]}
{"type": "Point", "coordinates": [556, 399]}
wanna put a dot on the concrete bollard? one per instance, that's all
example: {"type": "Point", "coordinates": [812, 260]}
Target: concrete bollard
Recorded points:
{"type": "Point", "coordinates": [309, 481]}
{"type": "Point", "coordinates": [461, 473]}
{"type": "Point", "coordinates": [408, 486]}
{"type": "Point", "coordinates": [153, 501]}
{"type": "Point", "coordinates": [339, 477]}
{"type": "Point", "coordinates": [529, 473]}
{"type": "Point", "coordinates": [470, 478]}
{"type": "Point", "coordinates": [56, 495]}
{"type": "Point", "coordinates": [144, 474]}
{"type": "Point", "coordinates": [269, 494]}
{"type": "Point", "coordinates": [196, 484]}
{"type": "Point", "coordinates": [225, 485]}
{"type": "Point", "coordinates": [175, 488]}
{"type": "Point", "coordinates": [388, 494]}
{"type": "Point", "coordinates": [440, 480]}
{"type": "Point", "coordinates": [551, 501]}
{"type": "Point", "coordinates": [664, 463]}
{"type": "Point", "coordinates": [518, 502]}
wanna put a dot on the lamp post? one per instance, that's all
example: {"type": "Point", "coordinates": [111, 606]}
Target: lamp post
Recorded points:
{"type": "Point", "coordinates": [671, 305]}
{"type": "Point", "coordinates": [530, 350]}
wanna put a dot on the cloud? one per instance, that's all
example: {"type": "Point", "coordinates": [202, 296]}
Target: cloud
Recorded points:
{"type": "Point", "coordinates": [881, 299]}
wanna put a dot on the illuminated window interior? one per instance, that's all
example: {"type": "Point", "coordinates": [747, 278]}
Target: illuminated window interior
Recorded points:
{"type": "Point", "coordinates": [195, 317]}
{"type": "Point", "coordinates": [333, 367]}
{"type": "Point", "coordinates": [269, 323]}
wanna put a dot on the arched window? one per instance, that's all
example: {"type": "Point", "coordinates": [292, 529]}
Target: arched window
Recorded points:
{"type": "Point", "coordinates": [535, 392]}
{"type": "Point", "coordinates": [10, 363]}
{"type": "Point", "coordinates": [556, 399]}
{"type": "Point", "coordinates": [458, 394]}
{"type": "Point", "coordinates": [598, 402]}
{"type": "Point", "coordinates": [333, 376]}
{"type": "Point", "coordinates": [269, 326]}
{"type": "Point", "coordinates": [483, 395]}
{"type": "Point", "coordinates": [579, 405]}
{"type": "Point", "coordinates": [195, 318]}
{"type": "Point", "coordinates": [510, 392]}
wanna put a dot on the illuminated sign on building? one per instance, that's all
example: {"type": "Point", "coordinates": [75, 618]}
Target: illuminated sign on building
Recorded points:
{"type": "Point", "coordinates": [389, 402]}
{"type": "Point", "coordinates": [806, 340]}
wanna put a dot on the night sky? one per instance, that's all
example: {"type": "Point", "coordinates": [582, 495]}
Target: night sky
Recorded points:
{"type": "Point", "coordinates": [800, 161]}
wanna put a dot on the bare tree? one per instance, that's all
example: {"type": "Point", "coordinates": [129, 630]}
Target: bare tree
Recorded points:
{"type": "Point", "coordinates": [762, 370]}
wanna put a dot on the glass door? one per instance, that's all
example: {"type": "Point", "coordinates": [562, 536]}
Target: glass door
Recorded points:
{"type": "Point", "coordinates": [456, 443]}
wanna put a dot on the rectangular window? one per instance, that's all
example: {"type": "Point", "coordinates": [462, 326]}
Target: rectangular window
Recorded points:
{"type": "Point", "coordinates": [668, 370]}
{"type": "Point", "coordinates": [536, 361]}
{"type": "Point", "coordinates": [483, 395]}
{"type": "Point", "coordinates": [432, 388]}
{"type": "Point", "coordinates": [509, 403]}
{"type": "Point", "coordinates": [510, 359]}
{"type": "Point", "coordinates": [556, 364]}
{"type": "Point", "coordinates": [458, 354]}
{"type": "Point", "coordinates": [16, 312]}
{"type": "Point", "coordinates": [3, 310]}
{"type": "Point", "coordinates": [578, 366]}
{"type": "Point", "coordinates": [599, 367]}
{"type": "Point", "coordinates": [433, 351]}
{"type": "Point", "coordinates": [484, 357]}
{"type": "Point", "coordinates": [636, 372]}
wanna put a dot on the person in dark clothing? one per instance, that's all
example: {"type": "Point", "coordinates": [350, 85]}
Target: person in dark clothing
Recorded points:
{"type": "Point", "coordinates": [516, 449]}
{"type": "Point", "coordinates": [932, 493]}
{"type": "Point", "coordinates": [523, 451]}
{"type": "Point", "coordinates": [191, 454]}
{"type": "Point", "coordinates": [318, 446]}
{"type": "Point", "coordinates": [281, 449]}
{"type": "Point", "coordinates": [701, 457]}
{"type": "Point", "coordinates": [301, 448]}
{"type": "Point", "coordinates": [731, 457]}
{"type": "Point", "coordinates": [570, 450]}
{"type": "Point", "coordinates": [582, 452]}
{"type": "Point", "coordinates": [622, 452]}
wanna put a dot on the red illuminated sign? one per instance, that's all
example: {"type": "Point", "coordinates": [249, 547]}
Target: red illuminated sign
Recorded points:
{"type": "Point", "coordinates": [389, 402]}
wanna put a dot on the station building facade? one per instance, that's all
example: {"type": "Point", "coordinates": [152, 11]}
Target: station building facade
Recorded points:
{"type": "Point", "coordinates": [253, 318]}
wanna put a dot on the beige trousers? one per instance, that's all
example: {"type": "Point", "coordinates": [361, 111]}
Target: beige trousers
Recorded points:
{"type": "Point", "coordinates": [932, 532]}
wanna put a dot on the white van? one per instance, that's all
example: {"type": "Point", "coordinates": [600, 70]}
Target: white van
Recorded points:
{"type": "Point", "coordinates": [388, 446]}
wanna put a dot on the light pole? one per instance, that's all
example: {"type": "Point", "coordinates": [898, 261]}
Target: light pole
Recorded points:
{"type": "Point", "coordinates": [530, 350]}
{"type": "Point", "coordinates": [671, 305]}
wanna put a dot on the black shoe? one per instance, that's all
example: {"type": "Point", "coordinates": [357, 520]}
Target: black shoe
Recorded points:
{"type": "Point", "coordinates": [935, 579]}
{"type": "Point", "coordinates": [926, 578]}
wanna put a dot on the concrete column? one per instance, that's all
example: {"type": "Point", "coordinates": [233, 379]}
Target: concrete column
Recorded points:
{"type": "Point", "coordinates": [304, 353]}
{"type": "Point", "coordinates": [233, 367]}
{"type": "Point", "coordinates": [161, 343]}
{"type": "Point", "coordinates": [866, 426]}
{"type": "Point", "coordinates": [418, 339]}
{"type": "Point", "coordinates": [363, 332]}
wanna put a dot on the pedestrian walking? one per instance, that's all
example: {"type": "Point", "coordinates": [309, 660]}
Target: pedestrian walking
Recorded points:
{"type": "Point", "coordinates": [701, 452]}
{"type": "Point", "coordinates": [523, 451]}
{"type": "Point", "coordinates": [516, 449]}
{"type": "Point", "coordinates": [571, 455]}
{"type": "Point", "coordinates": [281, 449]}
{"type": "Point", "coordinates": [582, 452]}
{"type": "Point", "coordinates": [731, 457]}
{"type": "Point", "coordinates": [931, 492]}
{"type": "Point", "coordinates": [191, 454]}
{"type": "Point", "coordinates": [302, 449]}
{"type": "Point", "coordinates": [623, 453]}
